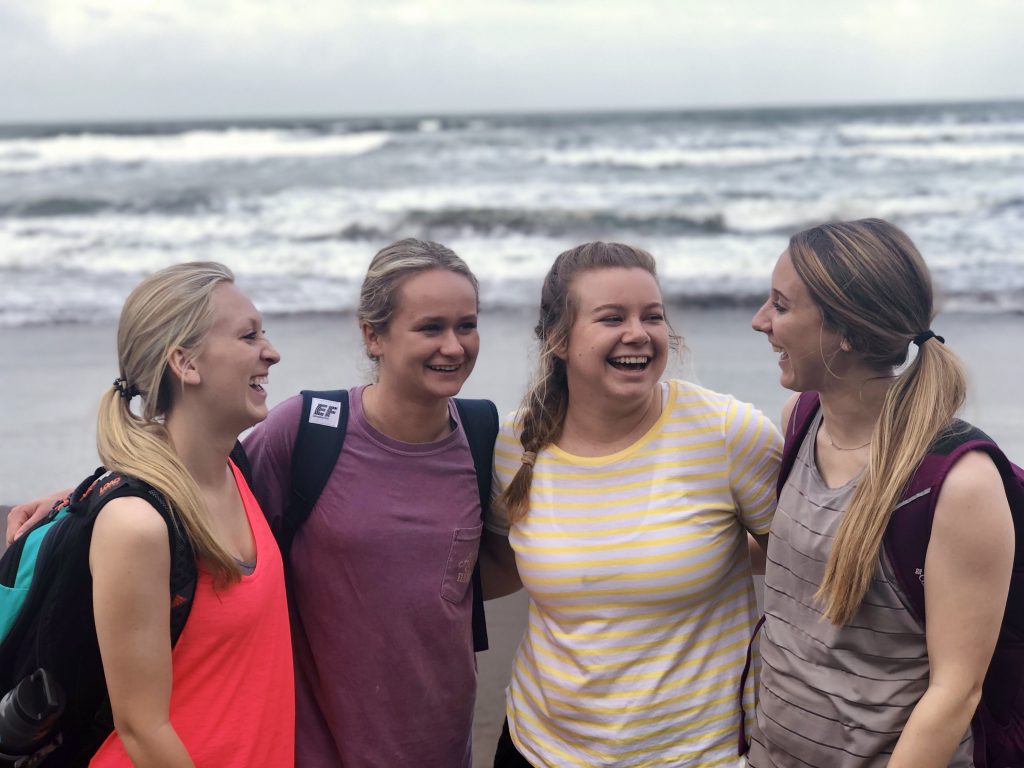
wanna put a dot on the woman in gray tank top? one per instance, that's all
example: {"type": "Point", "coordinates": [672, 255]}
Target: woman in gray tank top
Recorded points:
{"type": "Point", "coordinates": [850, 676]}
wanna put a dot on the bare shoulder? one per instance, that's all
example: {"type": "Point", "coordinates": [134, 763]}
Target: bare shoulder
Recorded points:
{"type": "Point", "coordinates": [972, 500]}
{"type": "Point", "coordinates": [130, 526]}
{"type": "Point", "coordinates": [787, 411]}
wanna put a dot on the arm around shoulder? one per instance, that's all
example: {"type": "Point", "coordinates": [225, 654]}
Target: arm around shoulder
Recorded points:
{"type": "Point", "coordinates": [130, 562]}
{"type": "Point", "coordinates": [754, 449]}
{"type": "Point", "coordinates": [22, 517]}
{"type": "Point", "coordinates": [498, 572]}
{"type": "Point", "coordinates": [967, 578]}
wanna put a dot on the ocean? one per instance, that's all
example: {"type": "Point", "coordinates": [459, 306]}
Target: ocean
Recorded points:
{"type": "Point", "coordinates": [298, 206]}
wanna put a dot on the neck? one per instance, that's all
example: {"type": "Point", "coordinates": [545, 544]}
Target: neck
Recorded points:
{"type": "Point", "coordinates": [203, 452]}
{"type": "Point", "coordinates": [599, 428]}
{"type": "Point", "coordinates": [850, 411]}
{"type": "Point", "coordinates": [400, 418]}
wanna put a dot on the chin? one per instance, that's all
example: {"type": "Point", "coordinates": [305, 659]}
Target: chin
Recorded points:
{"type": "Point", "coordinates": [449, 392]}
{"type": "Point", "coordinates": [788, 383]}
{"type": "Point", "coordinates": [253, 418]}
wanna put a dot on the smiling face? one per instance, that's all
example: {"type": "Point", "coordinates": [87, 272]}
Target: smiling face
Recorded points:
{"type": "Point", "coordinates": [431, 343]}
{"type": "Point", "coordinates": [233, 361]}
{"type": "Point", "coordinates": [810, 352]}
{"type": "Point", "coordinates": [618, 345]}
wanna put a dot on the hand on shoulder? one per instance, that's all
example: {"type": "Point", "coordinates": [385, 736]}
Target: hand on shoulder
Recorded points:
{"type": "Point", "coordinates": [21, 517]}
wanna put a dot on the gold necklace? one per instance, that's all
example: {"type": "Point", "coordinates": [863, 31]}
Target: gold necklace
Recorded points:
{"type": "Point", "coordinates": [840, 448]}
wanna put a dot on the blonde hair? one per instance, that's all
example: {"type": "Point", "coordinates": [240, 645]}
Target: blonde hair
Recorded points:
{"type": "Point", "coordinates": [542, 415]}
{"type": "Point", "coordinates": [170, 309]}
{"type": "Point", "coordinates": [378, 297]}
{"type": "Point", "coordinates": [872, 286]}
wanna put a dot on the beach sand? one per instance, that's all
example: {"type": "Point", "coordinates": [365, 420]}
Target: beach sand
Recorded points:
{"type": "Point", "coordinates": [51, 378]}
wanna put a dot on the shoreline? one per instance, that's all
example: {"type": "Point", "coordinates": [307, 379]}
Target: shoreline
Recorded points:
{"type": "Point", "coordinates": [53, 376]}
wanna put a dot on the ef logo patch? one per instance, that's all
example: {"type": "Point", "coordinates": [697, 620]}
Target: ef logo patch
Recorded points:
{"type": "Point", "coordinates": [324, 412]}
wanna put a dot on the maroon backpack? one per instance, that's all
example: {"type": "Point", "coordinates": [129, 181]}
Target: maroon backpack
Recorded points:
{"type": "Point", "coordinates": [998, 725]}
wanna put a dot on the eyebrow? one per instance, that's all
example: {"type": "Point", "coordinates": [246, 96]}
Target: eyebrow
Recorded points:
{"type": "Point", "coordinates": [442, 318]}
{"type": "Point", "coordinates": [620, 307]}
{"type": "Point", "coordinates": [249, 322]}
{"type": "Point", "coordinates": [780, 294]}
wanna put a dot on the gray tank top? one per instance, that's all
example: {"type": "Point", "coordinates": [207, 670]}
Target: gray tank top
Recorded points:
{"type": "Point", "coordinates": [832, 697]}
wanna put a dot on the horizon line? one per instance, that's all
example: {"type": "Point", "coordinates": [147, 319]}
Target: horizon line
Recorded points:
{"type": "Point", "coordinates": [505, 112]}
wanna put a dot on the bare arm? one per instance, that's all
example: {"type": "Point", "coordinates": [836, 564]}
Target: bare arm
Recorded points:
{"type": "Point", "coordinates": [757, 547]}
{"type": "Point", "coordinates": [498, 572]}
{"type": "Point", "coordinates": [130, 562]}
{"type": "Point", "coordinates": [787, 412]}
{"type": "Point", "coordinates": [967, 577]}
{"type": "Point", "coordinates": [24, 516]}
{"type": "Point", "coordinates": [757, 544]}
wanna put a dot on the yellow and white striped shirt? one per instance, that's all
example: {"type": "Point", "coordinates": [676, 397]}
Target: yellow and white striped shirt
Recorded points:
{"type": "Point", "coordinates": [641, 600]}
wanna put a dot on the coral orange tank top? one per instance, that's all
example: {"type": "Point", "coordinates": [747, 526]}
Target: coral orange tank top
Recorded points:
{"type": "Point", "coordinates": [233, 696]}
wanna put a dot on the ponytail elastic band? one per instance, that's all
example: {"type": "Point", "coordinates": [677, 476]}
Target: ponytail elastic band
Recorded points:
{"type": "Point", "coordinates": [528, 458]}
{"type": "Point", "coordinates": [922, 337]}
{"type": "Point", "coordinates": [121, 385]}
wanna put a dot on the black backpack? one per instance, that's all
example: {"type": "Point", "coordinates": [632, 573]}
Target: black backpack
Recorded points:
{"type": "Point", "coordinates": [46, 613]}
{"type": "Point", "coordinates": [318, 443]}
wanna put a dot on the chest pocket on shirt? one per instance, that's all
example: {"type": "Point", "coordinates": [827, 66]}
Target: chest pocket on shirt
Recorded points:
{"type": "Point", "coordinates": [458, 573]}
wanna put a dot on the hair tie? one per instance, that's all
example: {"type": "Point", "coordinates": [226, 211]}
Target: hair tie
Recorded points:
{"type": "Point", "coordinates": [922, 337]}
{"type": "Point", "coordinates": [127, 392]}
{"type": "Point", "coordinates": [528, 458]}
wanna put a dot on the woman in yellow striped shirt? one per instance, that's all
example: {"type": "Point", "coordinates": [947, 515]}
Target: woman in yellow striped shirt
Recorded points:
{"type": "Point", "coordinates": [627, 501]}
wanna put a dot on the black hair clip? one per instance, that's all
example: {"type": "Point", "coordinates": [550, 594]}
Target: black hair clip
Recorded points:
{"type": "Point", "coordinates": [127, 392]}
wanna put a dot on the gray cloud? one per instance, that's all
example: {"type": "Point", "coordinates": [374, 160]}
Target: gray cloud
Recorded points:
{"type": "Point", "coordinates": [107, 59]}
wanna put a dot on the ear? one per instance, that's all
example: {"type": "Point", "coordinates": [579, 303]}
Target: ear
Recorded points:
{"type": "Point", "coordinates": [561, 350]}
{"type": "Point", "coordinates": [182, 365]}
{"type": "Point", "coordinates": [372, 340]}
{"type": "Point", "coordinates": [845, 345]}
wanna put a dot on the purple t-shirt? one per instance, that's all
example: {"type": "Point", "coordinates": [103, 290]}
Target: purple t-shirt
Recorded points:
{"type": "Point", "coordinates": [380, 576]}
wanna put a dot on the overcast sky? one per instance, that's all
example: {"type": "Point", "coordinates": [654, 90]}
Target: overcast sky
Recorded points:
{"type": "Point", "coordinates": [117, 59]}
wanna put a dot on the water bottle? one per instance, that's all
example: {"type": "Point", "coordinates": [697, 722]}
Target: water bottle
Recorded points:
{"type": "Point", "coordinates": [28, 720]}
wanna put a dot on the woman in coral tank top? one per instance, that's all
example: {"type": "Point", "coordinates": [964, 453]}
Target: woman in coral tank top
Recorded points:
{"type": "Point", "coordinates": [191, 346]}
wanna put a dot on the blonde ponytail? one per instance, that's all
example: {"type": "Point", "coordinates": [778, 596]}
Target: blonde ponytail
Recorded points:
{"type": "Point", "coordinates": [919, 405]}
{"type": "Point", "coordinates": [168, 310]}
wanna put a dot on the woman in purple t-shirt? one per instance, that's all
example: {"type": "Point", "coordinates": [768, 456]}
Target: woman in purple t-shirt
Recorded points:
{"type": "Point", "coordinates": [382, 608]}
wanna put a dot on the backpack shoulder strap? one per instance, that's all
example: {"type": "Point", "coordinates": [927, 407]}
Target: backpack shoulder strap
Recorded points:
{"type": "Point", "coordinates": [480, 421]}
{"type": "Point", "coordinates": [910, 526]}
{"type": "Point", "coordinates": [318, 443]}
{"type": "Point", "coordinates": [184, 571]}
{"type": "Point", "coordinates": [799, 422]}
{"type": "Point", "coordinates": [241, 460]}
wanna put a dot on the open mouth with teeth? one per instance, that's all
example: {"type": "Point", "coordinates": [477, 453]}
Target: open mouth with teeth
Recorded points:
{"type": "Point", "coordinates": [630, 362]}
{"type": "Point", "coordinates": [444, 368]}
{"type": "Point", "coordinates": [257, 382]}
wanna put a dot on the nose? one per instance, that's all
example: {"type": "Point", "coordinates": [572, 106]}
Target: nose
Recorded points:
{"type": "Point", "coordinates": [450, 344]}
{"type": "Point", "coordinates": [633, 332]}
{"type": "Point", "coordinates": [761, 321]}
{"type": "Point", "coordinates": [270, 355]}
